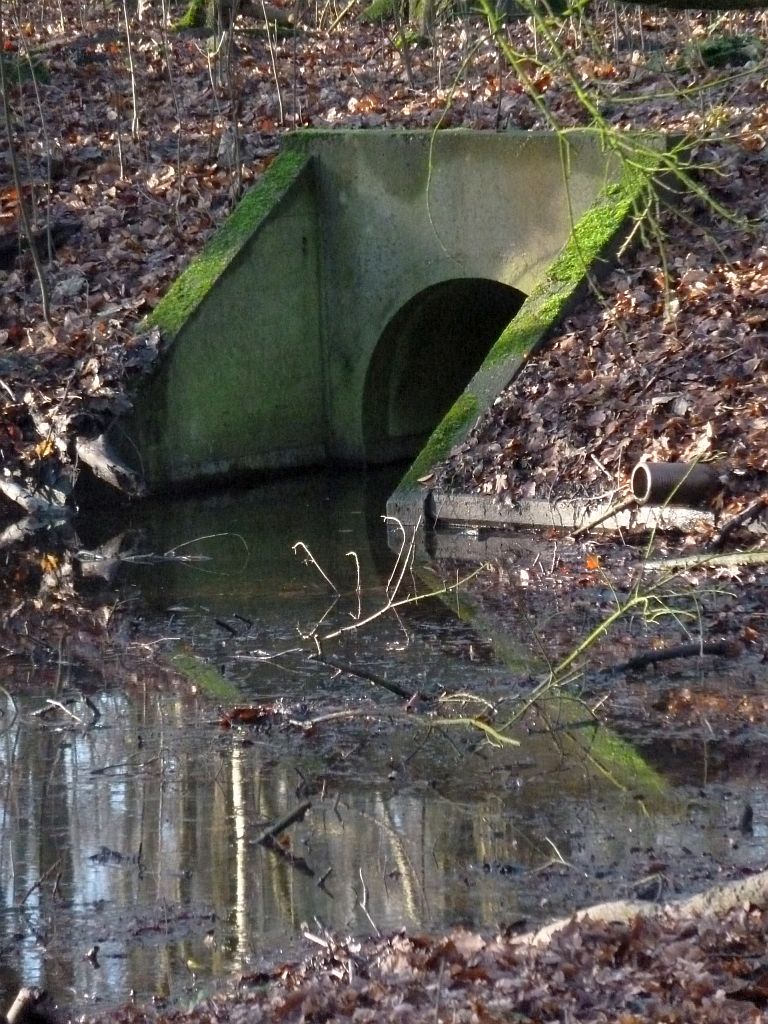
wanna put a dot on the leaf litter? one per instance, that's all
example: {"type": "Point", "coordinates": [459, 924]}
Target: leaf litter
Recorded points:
{"type": "Point", "coordinates": [712, 970]}
{"type": "Point", "coordinates": [667, 362]}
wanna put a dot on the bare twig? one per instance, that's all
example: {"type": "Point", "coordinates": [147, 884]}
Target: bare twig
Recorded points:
{"type": "Point", "coordinates": [358, 588]}
{"type": "Point", "coordinates": [621, 506]}
{"type": "Point", "coordinates": [362, 901]}
{"type": "Point", "coordinates": [404, 558]}
{"type": "Point", "coordinates": [340, 17]}
{"type": "Point", "coordinates": [206, 536]}
{"type": "Point", "coordinates": [715, 648]}
{"type": "Point", "coordinates": [23, 213]}
{"type": "Point", "coordinates": [272, 45]}
{"type": "Point", "coordinates": [393, 605]}
{"type": "Point", "coordinates": [61, 707]}
{"type": "Point", "coordinates": [36, 885]}
{"type": "Point", "coordinates": [745, 516]}
{"type": "Point", "coordinates": [9, 697]}
{"type": "Point", "coordinates": [132, 73]}
{"type": "Point", "coordinates": [311, 560]}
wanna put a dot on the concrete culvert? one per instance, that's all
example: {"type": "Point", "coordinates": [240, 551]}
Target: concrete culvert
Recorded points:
{"type": "Point", "coordinates": [427, 354]}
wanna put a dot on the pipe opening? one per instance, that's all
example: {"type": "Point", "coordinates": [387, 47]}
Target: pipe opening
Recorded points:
{"type": "Point", "coordinates": [674, 483]}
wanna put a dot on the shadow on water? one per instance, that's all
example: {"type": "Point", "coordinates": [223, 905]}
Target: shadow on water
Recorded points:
{"type": "Point", "coordinates": [131, 823]}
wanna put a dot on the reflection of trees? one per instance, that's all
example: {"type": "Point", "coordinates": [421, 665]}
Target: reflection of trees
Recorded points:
{"type": "Point", "coordinates": [152, 779]}
{"type": "Point", "coordinates": [35, 855]}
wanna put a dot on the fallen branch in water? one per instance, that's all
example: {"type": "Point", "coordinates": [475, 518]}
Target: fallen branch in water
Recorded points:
{"type": "Point", "coordinates": [297, 863]}
{"type": "Point", "coordinates": [297, 814]}
{"type": "Point", "coordinates": [28, 1008]}
{"type": "Point", "coordinates": [364, 673]}
{"type": "Point", "coordinates": [713, 561]}
{"type": "Point", "coordinates": [714, 648]}
{"type": "Point", "coordinates": [717, 900]}
{"type": "Point", "coordinates": [494, 736]}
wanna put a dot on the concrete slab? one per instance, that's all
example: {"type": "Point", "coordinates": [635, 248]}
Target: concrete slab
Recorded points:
{"type": "Point", "coordinates": [451, 512]}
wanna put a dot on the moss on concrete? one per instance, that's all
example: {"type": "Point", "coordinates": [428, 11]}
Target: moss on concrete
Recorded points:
{"type": "Point", "coordinates": [589, 241]}
{"type": "Point", "coordinates": [590, 238]}
{"type": "Point", "coordinates": [618, 761]}
{"type": "Point", "coordinates": [204, 677]}
{"type": "Point", "coordinates": [379, 10]}
{"type": "Point", "coordinates": [537, 314]}
{"type": "Point", "coordinates": [453, 425]}
{"type": "Point", "coordinates": [188, 291]}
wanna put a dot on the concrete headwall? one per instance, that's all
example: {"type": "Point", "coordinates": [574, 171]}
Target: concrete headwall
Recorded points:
{"type": "Point", "coordinates": [404, 211]}
{"type": "Point", "coordinates": [367, 271]}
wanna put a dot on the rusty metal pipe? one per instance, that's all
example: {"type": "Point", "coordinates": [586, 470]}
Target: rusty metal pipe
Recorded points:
{"type": "Point", "coordinates": [674, 483]}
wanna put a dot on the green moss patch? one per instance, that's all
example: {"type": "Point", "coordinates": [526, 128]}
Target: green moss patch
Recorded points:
{"type": "Point", "coordinates": [589, 240]}
{"type": "Point", "coordinates": [204, 677]}
{"type": "Point", "coordinates": [587, 245]}
{"type": "Point", "coordinates": [191, 287]}
{"type": "Point", "coordinates": [537, 314]}
{"type": "Point", "coordinates": [379, 10]}
{"type": "Point", "coordinates": [618, 761]}
{"type": "Point", "coordinates": [451, 428]}
{"type": "Point", "coordinates": [194, 16]}
{"type": "Point", "coordinates": [727, 51]}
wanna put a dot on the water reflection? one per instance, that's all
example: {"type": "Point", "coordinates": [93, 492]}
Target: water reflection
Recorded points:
{"type": "Point", "coordinates": [138, 836]}
{"type": "Point", "coordinates": [133, 827]}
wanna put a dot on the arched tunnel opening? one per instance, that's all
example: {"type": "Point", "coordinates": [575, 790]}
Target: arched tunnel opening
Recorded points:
{"type": "Point", "coordinates": [425, 357]}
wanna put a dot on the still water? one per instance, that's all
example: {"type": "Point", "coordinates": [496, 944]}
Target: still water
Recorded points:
{"type": "Point", "coordinates": [129, 819]}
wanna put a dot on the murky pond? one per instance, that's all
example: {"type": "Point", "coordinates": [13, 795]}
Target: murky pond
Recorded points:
{"type": "Point", "coordinates": [131, 818]}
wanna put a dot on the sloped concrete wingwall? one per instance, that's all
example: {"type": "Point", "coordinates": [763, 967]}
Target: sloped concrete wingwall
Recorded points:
{"type": "Point", "coordinates": [271, 336]}
{"type": "Point", "coordinates": [238, 387]}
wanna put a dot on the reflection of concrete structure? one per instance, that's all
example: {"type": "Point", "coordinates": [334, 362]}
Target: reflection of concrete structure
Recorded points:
{"type": "Point", "coordinates": [353, 294]}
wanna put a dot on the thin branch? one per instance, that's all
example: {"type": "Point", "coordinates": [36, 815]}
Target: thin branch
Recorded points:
{"type": "Point", "coordinates": [715, 648]}
{"type": "Point", "coordinates": [364, 673]}
{"type": "Point", "coordinates": [311, 560]}
{"type": "Point", "coordinates": [23, 213]}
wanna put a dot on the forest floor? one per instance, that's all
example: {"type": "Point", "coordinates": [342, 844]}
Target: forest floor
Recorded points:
{"type": "Point", "coordinates": [123, 144]}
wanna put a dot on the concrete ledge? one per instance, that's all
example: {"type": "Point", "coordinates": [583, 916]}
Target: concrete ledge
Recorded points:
{"type": "Point", "coordinates": [444, 511]}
